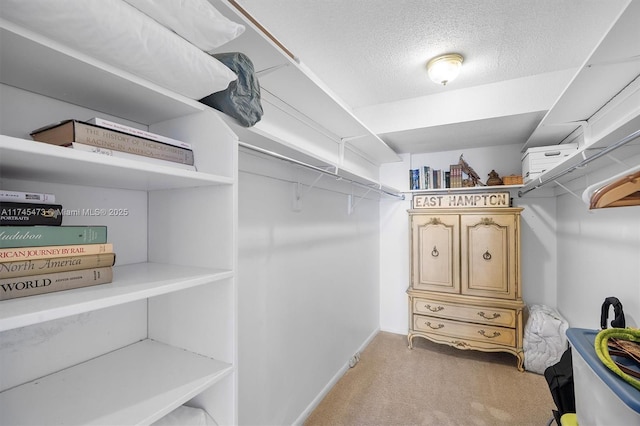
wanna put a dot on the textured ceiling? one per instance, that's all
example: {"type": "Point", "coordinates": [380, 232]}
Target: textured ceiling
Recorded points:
{"type": "Point", "coordinates": [372, 54]}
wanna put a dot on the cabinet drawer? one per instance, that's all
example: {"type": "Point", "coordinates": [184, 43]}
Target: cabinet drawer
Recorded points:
{"type": "Point", "coordinates": [462, 330]}
{"type": "Point", "coordinates": [478, 314]}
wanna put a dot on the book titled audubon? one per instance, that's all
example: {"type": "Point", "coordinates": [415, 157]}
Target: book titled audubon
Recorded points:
{"type": "Point", "coordinates": [38, 236]}
{"type": "Point", "coordinates": [11, 288]}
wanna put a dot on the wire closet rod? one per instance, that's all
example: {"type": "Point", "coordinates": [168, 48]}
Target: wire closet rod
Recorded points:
{"type": "Point", "coordinates": [334, 174]}
{"type": "Point", "coordinates": [584, 162]}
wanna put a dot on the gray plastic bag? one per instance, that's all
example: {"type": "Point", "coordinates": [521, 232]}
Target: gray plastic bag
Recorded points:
{"type": "Point", "coordinates": [241, 99]}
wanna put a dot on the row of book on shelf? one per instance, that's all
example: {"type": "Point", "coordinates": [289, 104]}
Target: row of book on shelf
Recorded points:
{"type": "Point", "coordinates": [39, 254]}
{"type": "Point", "coordinates": [104, 137]}
{"type": "Point", "coordinates": [429, 178]}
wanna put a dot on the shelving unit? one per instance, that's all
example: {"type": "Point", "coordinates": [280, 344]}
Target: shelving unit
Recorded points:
{"type": "Point", "coordinates": [599, 107]}
{"type": "Point", "coordinates": [163, 333]}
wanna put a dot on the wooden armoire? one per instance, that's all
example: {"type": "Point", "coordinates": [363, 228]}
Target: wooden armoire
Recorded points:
{"type": "Point", "coordinates": [465, 288]}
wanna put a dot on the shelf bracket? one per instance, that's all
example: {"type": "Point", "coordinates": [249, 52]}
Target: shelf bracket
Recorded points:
{"type": "Point", "coordinates": [568, 190]}
{"type": "Point", "coordinates": [299, 192]}
{"type": "Point", "coordinates": [269, 70]}
{"type": "Point", "coordinates": [341, 148]}
{"type": "Point", "coordinates": [616, 160]}
{"type": "Point", "coordinates": [351, 205]}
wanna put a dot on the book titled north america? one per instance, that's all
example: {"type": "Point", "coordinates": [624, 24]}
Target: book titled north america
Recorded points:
{"type": "Point", "coordinates": [22, 268]}
{"type": "Point", "coordinates": [38, 236]}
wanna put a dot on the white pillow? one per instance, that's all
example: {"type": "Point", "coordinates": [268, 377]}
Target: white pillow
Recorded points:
{"type": "Point", "coordinates": [118, 34]}
{"type": "Point", "coordinates": [197, 21]}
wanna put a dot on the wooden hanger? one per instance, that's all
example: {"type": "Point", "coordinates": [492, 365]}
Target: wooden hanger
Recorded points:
{"type": "Point", "coordinates": [622, 192]}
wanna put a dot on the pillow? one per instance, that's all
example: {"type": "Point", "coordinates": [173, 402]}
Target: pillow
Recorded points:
{"type": "Point", "coordinates": [197, 21]}
{"type": "Point", "coordinates": [116, 33]}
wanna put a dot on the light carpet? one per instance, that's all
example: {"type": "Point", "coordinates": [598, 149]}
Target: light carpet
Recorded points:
{"type": "Point", "coordinates": [434, 384]}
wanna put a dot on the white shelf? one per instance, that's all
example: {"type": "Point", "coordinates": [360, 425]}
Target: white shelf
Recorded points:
{"type": "Point", "coordinates": [295, 99]}
{"type": "Point", "coordinates": [137, 384]}
{"type": "Point", "coordinates": [608, 70]}
{"type": "Point", "coordinates": [29, 160]}
{"type": "Point", "coordinates": [629, 153]}
{"type": "Point", "coordinates": [493, 188]}
{"type": "Point", "coordinates": [34, 63]}
{"type": "Point", "coordinates": [131, 282]}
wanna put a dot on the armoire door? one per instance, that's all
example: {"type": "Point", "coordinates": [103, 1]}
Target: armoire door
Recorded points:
{"type": "Point", "coordinates": [489, 255]}
{"type": "Point", "coordinates": [435, 253]}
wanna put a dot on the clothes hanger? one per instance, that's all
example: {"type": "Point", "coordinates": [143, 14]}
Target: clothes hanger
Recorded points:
{"type": "Point", "coordinates": [620, 191]}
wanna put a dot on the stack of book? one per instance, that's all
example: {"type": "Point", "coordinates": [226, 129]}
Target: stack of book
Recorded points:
{"type": "Point", "coordinates": [40, 255]}
{"type": "Point", "coordinates": [427, 178]}
{"type": "Point", "coordinates": [106, 137]}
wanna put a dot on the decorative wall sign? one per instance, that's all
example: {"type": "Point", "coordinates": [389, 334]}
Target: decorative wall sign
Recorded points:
{"type": "Point", "coordinates": [462, 201]}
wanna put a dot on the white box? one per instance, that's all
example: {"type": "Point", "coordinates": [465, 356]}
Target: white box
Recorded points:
{"type": "Point", "coordinates": [602, 398]}
{"type": "Point", "coordinates": [536, 161]}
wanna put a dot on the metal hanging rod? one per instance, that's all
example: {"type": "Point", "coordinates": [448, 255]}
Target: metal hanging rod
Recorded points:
{"type": "Point", "coordinates": [584, 162]}
{"type": "Point", "coordinates": [334, 173]}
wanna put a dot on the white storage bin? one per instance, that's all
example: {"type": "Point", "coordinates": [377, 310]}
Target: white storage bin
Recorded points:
{"type": "Point", "coordinates": [602, 397]}
{"type": "Point", "coordinates": [537, 160]}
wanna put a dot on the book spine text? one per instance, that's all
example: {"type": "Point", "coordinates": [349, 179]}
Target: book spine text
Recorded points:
{"type": "Point", "coordinates": [138, 132]}
{"type": "Point", "coordinates": [33, 253]}
{"type": "Point", "coordinates": [30, 236]}
{"type": "Point", "coordinates": [50, 265]}
{"type": "Point", "coordinates": [11, 288]}
{"type": "Point", "coordinates": [26, 197]}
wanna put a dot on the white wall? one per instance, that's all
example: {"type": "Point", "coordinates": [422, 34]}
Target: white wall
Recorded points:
{"type": "Point", "coordinates": [308, 289]}
{"type": "Point", "coordinates": [598, 257]}
{"type": "Point", "coordinates": [538, 231]}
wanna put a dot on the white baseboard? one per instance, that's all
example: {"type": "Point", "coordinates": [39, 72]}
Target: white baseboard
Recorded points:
{"type": "Point", "coordinates": [395, 331]}
{"type": "Point", "coordinates": [305, 414]}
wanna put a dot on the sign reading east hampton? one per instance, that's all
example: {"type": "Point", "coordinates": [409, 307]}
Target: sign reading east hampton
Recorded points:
{"type": "Point", "coordinates": [452, 201]}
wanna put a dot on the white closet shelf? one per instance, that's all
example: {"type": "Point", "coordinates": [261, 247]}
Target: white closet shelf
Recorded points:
{"type": "Point", "coordinates": [143, 381]}
{"type": "Point", "coordinates": [294, 98]}
{"type": "Point", "coordinates": [493, 188]}
{"type": "Point", "coordinates": [570, 169]}
{"type": "Point", "coordinates": [130, 283]}
{"type": "Point", "coordinates": [85, 80]}
{"type": "Point", "coordinates": [29, 160]}
{"type": "Point", "coordinates": [609, 69]}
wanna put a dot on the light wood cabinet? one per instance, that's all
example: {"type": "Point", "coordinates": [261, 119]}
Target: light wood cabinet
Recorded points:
{"type": "Point", "coordinates": [465, 288]}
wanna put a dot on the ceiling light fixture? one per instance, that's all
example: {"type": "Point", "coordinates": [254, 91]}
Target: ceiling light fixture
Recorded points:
{"type": "Point", "coordinates": [445, 68]}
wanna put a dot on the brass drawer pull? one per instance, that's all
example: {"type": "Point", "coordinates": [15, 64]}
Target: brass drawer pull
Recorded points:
{"type": "Point", "coordinates": [435, 252]}
{"type": "Point", "coordinates": [436, 309]}
{"type": "Point", "coordinates": [486, 255]}
{"type": "Point", "coordinates": [495, 334]}
{"type": "Point", "coordinates": [435, 328]}
{"type": "Point", "coordinates": [483, 315]}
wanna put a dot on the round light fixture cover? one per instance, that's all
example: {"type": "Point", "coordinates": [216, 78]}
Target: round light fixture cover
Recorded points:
{"type": "Point", "coordinates": [445, 68]}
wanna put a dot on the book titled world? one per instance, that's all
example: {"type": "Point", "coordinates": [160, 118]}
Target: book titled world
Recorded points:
{"type": "Point", "coordinates": [31, 285]}
{"type": "Point", "coordinates": [29, 236]}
